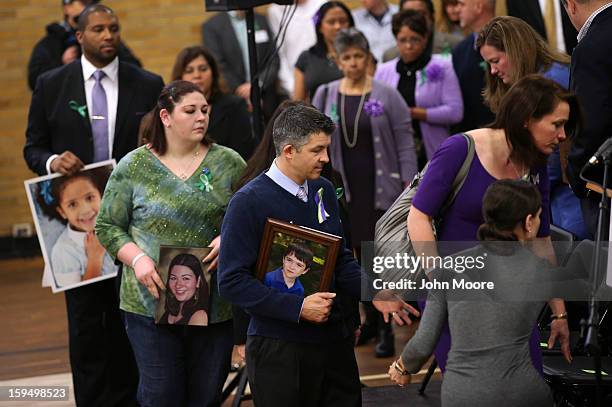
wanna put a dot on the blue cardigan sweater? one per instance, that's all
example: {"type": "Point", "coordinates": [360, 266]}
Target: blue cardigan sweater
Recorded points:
{"type": "Point", "coordinates": [275, 314]}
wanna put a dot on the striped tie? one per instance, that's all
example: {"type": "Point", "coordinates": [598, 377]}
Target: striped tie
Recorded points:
{"type": "Point", "coordinates": [301, 194]}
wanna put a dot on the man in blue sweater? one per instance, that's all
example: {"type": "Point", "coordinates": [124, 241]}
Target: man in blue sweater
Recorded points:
{"type": "Point", "coordinates": [298, 351]}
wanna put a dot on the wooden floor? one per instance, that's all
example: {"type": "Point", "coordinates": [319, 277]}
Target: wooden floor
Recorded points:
{"type": "Point", "coordinates": [34, 340]}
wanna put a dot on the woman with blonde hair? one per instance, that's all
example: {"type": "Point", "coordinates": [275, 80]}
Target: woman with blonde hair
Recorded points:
{"type": "Point", "coordinates": [514, 50]}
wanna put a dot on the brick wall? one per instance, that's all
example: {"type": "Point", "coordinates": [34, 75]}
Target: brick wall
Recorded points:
{"type": "Point", "coordinates": [155, 30]}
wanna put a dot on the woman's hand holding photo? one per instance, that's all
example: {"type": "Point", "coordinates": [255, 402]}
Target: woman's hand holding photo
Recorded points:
{"type": "Point", "coordinates": [147, 275]}
{"type": "Point", "coordinates": [213, 256]}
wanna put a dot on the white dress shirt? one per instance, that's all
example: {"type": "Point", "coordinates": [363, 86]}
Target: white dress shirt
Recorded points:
{"type": "Point", "coordinates": [585, 28]}
{"type": "Point", "coordinates": [289, 185]}
{"type": "Point", "coordinates": [558, 23]}
{"type": "Point", "coordinates": [379, 34]}
{"type": "Point", "coordinates": [110, 83]}
{"type": "Point", "coordinates": [300, 36]}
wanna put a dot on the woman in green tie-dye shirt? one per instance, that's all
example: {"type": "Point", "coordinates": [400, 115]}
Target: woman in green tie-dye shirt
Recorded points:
{"type": "Point", "coordinates": [172, 191]}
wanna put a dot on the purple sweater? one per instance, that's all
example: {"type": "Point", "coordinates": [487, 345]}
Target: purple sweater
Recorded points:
{"type": "Point", "coordinates": [439, 94]}
{"type": "Point", "coordinates": [462, 219]}
{"type": "Point", "coordinates": [394, 156]}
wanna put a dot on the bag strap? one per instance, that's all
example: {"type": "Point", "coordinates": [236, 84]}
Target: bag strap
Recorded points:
{"type": "Point", "coordinates": [462, 174]}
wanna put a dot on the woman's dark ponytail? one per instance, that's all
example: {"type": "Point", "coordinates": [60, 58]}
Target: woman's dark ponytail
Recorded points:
{"type": "Point", "coordinates": [505, 205]}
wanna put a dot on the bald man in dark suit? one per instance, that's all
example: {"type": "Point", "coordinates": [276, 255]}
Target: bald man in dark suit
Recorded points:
{"type": "Point", "coordinates": [62, 136]}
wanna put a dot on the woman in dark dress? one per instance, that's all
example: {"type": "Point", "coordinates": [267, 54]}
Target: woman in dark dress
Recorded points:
{"type": "Point", "coordinates": [372, 148]}
{"type": "Point", "coordinates": [317, 65]}
{"type": "Point", "coordinates": [230, 123]}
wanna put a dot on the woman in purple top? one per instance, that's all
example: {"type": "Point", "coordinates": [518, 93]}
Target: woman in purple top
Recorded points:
{"type": "Point", "coordinates": [532, 120]}
{"type": "Point", "coordinates": [427, 83]}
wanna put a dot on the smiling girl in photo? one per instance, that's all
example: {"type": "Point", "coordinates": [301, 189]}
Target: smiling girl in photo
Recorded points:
{"type": "Point", "coordinates": [75, 201]}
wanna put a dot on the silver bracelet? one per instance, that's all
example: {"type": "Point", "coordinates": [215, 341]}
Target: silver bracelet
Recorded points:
{"type": "Point", "coordinates": [137, 257]}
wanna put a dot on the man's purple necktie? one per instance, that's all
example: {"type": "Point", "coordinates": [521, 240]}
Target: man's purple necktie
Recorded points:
{"type": "Point", "coordinates": [301, 194]}
{"type": "Point", "coordinates": [99, 116]}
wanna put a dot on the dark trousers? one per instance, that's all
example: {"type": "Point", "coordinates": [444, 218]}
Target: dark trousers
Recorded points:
{"type": "Point", "coordinates": [295, 374]}
{"type": "Point", "coordinates": [180, 365]}
{"type": "Point", "coordinates": [103, 368]}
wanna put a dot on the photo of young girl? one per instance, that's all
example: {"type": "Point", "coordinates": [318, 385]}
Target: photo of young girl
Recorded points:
{"type": "Point", "coordinates": [65, 208]}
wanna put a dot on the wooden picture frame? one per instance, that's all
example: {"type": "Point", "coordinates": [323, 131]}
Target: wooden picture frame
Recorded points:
{"type": "Point", "coordinates": [278, 237]}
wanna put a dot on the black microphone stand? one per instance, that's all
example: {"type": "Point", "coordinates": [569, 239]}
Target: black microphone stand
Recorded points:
{"type": "Point", "coordinates": [591, 325]}
{"type": "Point", "coordinates": [255, 90]}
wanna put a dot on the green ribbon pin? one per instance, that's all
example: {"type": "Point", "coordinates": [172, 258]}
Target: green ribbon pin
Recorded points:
{"type": "Point", "coordinates": [423, 76]}
{"type": "Point", "coordinates": [447, 51]}
{"type": "Point", "coordinates": [204, 183]}
{"type": "Point", "coordinates": [82, 110]}
{"type": "Point", "coordinates": [333, 114]}
{"type": "Point", "coordinates": [339, 193]}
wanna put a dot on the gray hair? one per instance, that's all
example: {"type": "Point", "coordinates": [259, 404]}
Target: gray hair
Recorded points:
{"type": "Point", "coordinates": [296, 124]}
{"type": "Point", "coordinates": [349, 38]}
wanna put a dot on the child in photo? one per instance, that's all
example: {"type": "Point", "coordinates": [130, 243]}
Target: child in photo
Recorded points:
{"type": "Point", "coordinates": [296, 262]}
{"type": "Point", "coordinates": [75, 201]}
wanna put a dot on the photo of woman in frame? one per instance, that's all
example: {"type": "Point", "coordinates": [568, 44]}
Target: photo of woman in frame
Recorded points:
{"type": "Point", "coordinates": [186, 300]}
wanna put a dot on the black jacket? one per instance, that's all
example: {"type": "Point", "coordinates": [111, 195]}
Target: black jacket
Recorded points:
{"type": "Point", "coordinates": [230, 124]}
{"type": "Point", "coordinates": [219, 37]}
{"type": "Point", "coordinates": [591, 80]}
{"type": "Point", "coordinates": [47, 53]}
{"type": "Point", "coordinates": [53, 127]}
{"type": "Point", "coordinates": [470, 69]}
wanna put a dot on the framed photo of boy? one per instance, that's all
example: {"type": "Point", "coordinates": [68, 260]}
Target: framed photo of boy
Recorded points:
{"type": "Point", "coordinates": [186, 299]}
{"type": "Point", "coordinates": [64, 209]}
{"type": "Point", "coordinates": [296, 259]}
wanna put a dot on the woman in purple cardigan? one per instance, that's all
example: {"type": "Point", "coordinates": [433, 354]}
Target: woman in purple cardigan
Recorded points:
{"type": "Point", "coordinates": [372, 146]}
{"type": "Point", "coordinates": [427, 83]}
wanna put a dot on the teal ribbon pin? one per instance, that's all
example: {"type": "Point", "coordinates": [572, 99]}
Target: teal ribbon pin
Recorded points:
{"type": "Point", "coordinates": [333, 113]}
{"type": "Point", "coordinates": [82, 110]}
{"type": "Point", "coordinates": [339, 193]}
{"type": "Point", "coordinates": [204, 184]}
{"type": "Point", "coordinates": [423, 76]}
